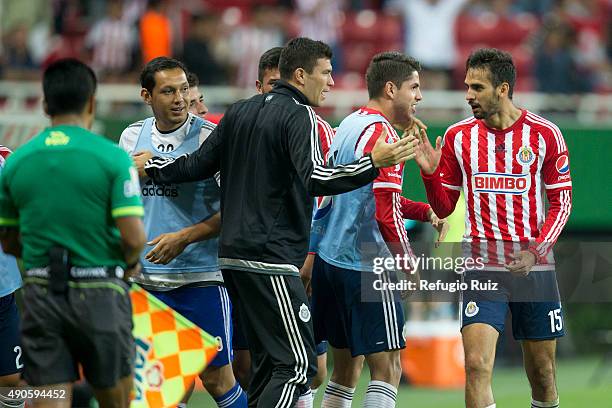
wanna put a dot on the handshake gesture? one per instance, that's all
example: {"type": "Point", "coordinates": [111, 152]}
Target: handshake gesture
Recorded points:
{"type": "Point", "coordinates": [413, 144]}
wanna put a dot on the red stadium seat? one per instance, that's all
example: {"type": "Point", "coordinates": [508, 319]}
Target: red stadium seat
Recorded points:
{"type": "Point", "coordinates": [390, 28]}
{"type": "Point", "coordinates": [495, 31]}
{"type": "Point", "coordinates": [350, 80]}
{"type": "Point", "coordinates": [361, 26]}
{"type": "Point", "coordinates": [357, 56]}
{"type": "Point", "coordinates": [521, 54]}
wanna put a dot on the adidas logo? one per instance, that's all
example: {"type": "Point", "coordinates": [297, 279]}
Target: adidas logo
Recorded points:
{"type": "Point", "coordinates": [151, 189]}
{"type": "Point", "coordinates": [500, 148]}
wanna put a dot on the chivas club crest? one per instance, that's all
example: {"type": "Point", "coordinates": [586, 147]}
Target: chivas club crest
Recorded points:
{"type": "Point", "coordinates": [525, 156]}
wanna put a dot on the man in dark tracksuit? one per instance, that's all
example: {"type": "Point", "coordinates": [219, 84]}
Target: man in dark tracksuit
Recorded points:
{"type": "Point", "coordinates": [268, 152]}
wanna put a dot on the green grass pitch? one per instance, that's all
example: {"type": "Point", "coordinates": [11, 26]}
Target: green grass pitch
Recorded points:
{"type": "Point", "coordinates": [510, 387]}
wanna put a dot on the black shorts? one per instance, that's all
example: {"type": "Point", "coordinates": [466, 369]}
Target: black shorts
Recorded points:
{"type": "Point", "coordinates": [90, 324]}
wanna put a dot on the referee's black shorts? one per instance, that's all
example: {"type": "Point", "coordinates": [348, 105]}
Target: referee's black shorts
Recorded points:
{"type": "Point", "coordinates": [90, 324]}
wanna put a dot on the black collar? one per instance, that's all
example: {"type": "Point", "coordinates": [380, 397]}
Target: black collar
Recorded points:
{"type": "Point", "coordinates": [285, 88]}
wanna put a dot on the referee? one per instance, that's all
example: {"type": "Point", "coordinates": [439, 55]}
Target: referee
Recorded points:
{"type": "Point", "coordinates": [70, 208]}
{"type": "Point", "coordinates": [268, 151]}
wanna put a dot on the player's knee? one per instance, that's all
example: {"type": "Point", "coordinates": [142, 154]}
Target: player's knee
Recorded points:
{"type": "Point", "coordinates": [542, 377]}
{"type": "Point", "coordinates": [477, 365]}
{"type": "Point", "coordinates": [347, 374]}
{"type": "Point", "coordinates": [389, 370]}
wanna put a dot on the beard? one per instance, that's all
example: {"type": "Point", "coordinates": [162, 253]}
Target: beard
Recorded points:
{"type": "Point", "coordinates": [492, 109]}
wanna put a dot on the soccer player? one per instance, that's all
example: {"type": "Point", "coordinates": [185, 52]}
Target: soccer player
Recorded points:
{"type": "Point", "coordinates": [267, 70]}
{"type": "Point", "coordinates": [267, 76]}
{"type": "Point", "coordinates": [70, 207]}
{"type": "Point", "coordinates": [11, 362]}
{"type": "Point", "coordinates": [502, 158]}
{"type": "Point", "coordinates": [196, 99]}
{"type": "Point", "coordinates": [360, 225]}
{"type": "Point", "coordinates": [267, 151]}
{"type": "Point", "coordinates": [182, 268]}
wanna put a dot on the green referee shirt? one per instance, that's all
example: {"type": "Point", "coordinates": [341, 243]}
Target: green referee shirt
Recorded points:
{"type": "Point", "coordinates": [65, 187]}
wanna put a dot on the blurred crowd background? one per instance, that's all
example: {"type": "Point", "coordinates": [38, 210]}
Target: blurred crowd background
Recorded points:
{"type": "Point", "coordinates": [560, 46]}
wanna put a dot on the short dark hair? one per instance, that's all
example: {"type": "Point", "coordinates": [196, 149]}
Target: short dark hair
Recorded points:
{"type": "Point", "coordinates": [389, 66]}
{"type": "Point", "coordinates": [498, 62]}
{"type": "Point", "coordinates": [269, 60]}
{"type": "Point", "coordinates": [303, 53]}
{"type": "Point", "coordinates": [192, 79]}
{"type": "Point", "coordinates": [147, 76]}
{"type": "Point", "coordinates": [67, 86]}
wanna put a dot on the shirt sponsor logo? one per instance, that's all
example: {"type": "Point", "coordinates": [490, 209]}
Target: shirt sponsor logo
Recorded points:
{"type": "Point", "coordinates": [324, 206]}
{"type": "Point", "coordinates": [563, 177]}
{"type": "Point", "coordinates": [525, 156]}
{"type": "Point", "coordinates": [562, 164]}
{"type": "Point", "coordinates": [57, 138]}
{"type": "Point", "coordinates": [501, 183]}
{"type": "Point", "coordinates": [151, 189]}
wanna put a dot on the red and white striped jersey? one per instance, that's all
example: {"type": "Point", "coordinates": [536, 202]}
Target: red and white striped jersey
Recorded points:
{"type": "Point", "coordinates": [326, 135]}
{"type": "Point", "coordinates": [503, 174]}
{"type": "Point", "coordinates": [4, 153]}
{"type": "Point", "coordinates": [391, 206]}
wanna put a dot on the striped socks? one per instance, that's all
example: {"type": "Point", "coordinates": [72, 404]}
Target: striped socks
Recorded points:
{"type": "Point", "coordinates": [305, 400]}
{"type": "Point", "coordinates": [380, 395]}
{"type": "Point", "coordinates": [234, 398]}
{"type": "Point", "coordinates": [540, 404]}
{"type": "Point", "coordinates": [337, 396]}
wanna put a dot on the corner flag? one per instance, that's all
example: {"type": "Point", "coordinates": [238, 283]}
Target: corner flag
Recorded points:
{"type": "Point", "coordinates": [170, 352]}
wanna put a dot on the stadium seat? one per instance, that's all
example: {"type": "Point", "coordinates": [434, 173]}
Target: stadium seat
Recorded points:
{"type": "Point", "coordinates": [357, 56]}
{"type": "Point", "coordinates": [361, 26]}
{"type": "Point", "coordinates": [390, 28]}
{"type": "Point", "coordinates": [495, 31]}
{"type": "Point", "coordinates": [350, 80]}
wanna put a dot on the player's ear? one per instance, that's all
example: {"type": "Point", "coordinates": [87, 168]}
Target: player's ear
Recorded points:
{"type": "Point", "coordinates": [389, 90]}
{"type": "Point", "coordinates": [145, 95]}
{"type": "Point", "coordinates": [259, 86]}
{"type": "Point", "coordinates": [504, 89]}
{"type": "Point", "coordinates": [91, 105]}
{"type": "Point", "coordinates": [299, 75]}
{"type": "Point", "coordinates": [45, 107]}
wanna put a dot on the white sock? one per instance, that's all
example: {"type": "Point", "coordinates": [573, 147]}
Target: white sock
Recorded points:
{"type": "Point", "coordinates": [6, 402]}
{"type": "Point", "coordinates": [491, 406]}
{"type": "Point", "coordinates": [380, 395]}
{"type": "Point", "coordinates": [181, 405]}
{"type": "Point", "coordinates": [305, 400]}
{"type": "Point", "coordinates": [337, 396]}
{"type": "Point", "coordinates": [540, 404]}
{"type": "Point", "coordinates": [314, 392]}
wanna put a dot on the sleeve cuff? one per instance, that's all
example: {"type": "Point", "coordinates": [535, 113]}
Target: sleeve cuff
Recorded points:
{"type": "Point", "coordinates": [432, 176]}
{"type": "Point", "coordinates": [533, 249]}
{"type": "Point", "coordinates": [9, 222]}
{"type": "Point", "coordinates": [131, 211]}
